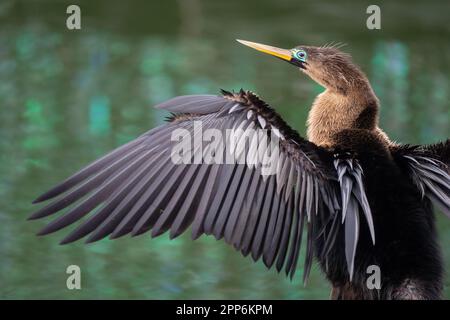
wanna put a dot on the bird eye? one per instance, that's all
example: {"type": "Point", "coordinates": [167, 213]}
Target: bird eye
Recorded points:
{"type": "Point", "coordinates": [299, 54]}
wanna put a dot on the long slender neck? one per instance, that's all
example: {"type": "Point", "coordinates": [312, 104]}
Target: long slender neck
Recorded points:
{"type": "Point", "coordinates": [347, 103]}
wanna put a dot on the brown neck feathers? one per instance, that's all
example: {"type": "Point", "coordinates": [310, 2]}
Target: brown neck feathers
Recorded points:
{"type": "Point", "coordinates": [347, 103]}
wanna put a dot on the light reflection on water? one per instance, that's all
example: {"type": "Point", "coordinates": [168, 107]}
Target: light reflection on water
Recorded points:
{"type": "Point", "coordinates": [68, 97]}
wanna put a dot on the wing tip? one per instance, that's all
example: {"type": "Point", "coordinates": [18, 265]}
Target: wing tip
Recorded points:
{"type": "Point", "coordinates": [46, 196]}
{"type": "Point", "coordinates": [94, 237]}
{"type": "Point", "coordinates": [37, 200]}
{"type": "Point", "coordinates": [66, 240]}
{"type": "Point", "coordinates": [41, 198]}
{"type": "Point", "coordinates": [40, 214]}
{"type": "Point", "coordinates": [33, 216]}
{"type": "Point", "coordinates": [116, 235]}
{"type": "Point", "coordinates": [44, 231]}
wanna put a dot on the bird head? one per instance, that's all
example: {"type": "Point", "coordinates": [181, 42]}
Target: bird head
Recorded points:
{"type": "Point", "coordinates": [328, 66]}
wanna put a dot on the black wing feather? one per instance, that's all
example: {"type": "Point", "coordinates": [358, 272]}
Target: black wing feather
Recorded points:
{"type": "Point", "coordinates": [429, 168]}
{"type": "Point", "coordinates": [138, 187]}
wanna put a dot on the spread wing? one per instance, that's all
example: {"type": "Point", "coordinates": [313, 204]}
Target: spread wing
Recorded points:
{"type": "Point", "coordinates": [223, 165]}
{"type": "Point", "coordinates": [429, 168]}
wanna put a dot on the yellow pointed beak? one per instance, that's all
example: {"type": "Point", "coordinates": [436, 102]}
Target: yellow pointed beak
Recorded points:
{"type": "Point", "coordinates": [273, 51]}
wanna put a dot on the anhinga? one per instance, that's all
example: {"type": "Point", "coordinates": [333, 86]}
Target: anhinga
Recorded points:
{"type": "Point", "coordinates": [363, 199]}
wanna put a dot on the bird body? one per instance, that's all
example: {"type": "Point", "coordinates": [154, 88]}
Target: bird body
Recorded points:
{"type": "Point", "coordinates": [406, 251]}
{"type": "Point", "coordinates": [347, 118]}
{"type": "Point", "coordinates": [363, 200]}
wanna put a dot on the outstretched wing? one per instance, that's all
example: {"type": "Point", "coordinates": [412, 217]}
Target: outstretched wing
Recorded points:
{"type": "Point", "coordinates": [429, 168]}
{"type": "Point", "coordinates": [225, 165]}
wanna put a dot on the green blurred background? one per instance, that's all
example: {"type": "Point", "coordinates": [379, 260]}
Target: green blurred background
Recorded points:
{"type": "Point", "coordinates": [67, 97]}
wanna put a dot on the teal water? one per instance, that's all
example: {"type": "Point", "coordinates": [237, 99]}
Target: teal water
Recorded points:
{"type": "Point", "coordinates": [67, 97]}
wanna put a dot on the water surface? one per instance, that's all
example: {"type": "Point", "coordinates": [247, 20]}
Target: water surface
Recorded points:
{"type": "Point", "coordinates": [67, 97]}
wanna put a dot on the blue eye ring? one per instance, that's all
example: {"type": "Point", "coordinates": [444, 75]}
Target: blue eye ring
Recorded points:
{"type": "Point", "coordinates": [299, 54]}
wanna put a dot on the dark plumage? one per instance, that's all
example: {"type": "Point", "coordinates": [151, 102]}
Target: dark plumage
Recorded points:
{"type": "Point", "coordinates": [362, 199]}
